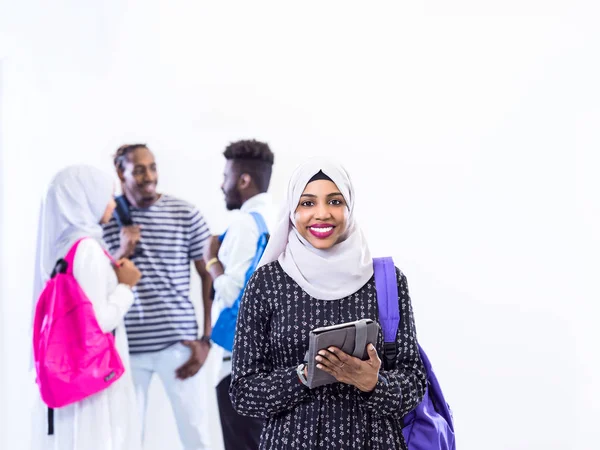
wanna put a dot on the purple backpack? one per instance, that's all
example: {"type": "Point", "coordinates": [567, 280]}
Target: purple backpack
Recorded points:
{"type": "Point", "coordinates": [429, 426]}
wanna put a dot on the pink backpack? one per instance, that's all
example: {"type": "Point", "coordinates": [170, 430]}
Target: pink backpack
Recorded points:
{"type": "Point", "coordinates": [73, 357]}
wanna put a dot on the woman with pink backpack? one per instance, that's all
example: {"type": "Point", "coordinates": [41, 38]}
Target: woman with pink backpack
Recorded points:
{"type": "Point", "coordinates": [79, 342]}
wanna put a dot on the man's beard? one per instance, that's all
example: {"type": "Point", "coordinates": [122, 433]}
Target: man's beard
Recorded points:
{"type": "Point", "coordinates": [231, 206]}
{"type": "Point", "coordinates": [233, 202]}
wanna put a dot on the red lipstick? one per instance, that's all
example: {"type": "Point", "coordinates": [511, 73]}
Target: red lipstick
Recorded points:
{"type": "Point", "coordinates": [321, 230]}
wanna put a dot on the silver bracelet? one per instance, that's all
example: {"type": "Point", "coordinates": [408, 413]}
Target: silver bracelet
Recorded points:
{"type": "Point", "coordinates": [300, 372]}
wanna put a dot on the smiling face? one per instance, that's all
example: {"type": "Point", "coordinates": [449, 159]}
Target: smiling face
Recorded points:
{"type": "Point", "coordinates": [140, 177]}
{"type": "Point", "coordinates": [321, 216]}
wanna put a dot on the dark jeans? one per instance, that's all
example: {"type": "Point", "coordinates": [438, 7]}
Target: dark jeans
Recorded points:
{"type": "Point", "coordinates": [239, 432]}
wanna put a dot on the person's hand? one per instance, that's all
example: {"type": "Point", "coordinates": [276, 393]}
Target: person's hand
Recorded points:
{"type": "Point", "coordinates": [129, 236]}
{"type": "Point", "coordinates": [350, 370]}
{"type": "Point", "coordinates": [211, 248]}
{"type": "Point", "coordinates": [127, 272]}
{"type": "Point", "coordinates": [197, 359]}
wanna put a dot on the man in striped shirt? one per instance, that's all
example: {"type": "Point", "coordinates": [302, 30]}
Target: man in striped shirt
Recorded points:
{"type": "Point", "coordinates": [161, 325]}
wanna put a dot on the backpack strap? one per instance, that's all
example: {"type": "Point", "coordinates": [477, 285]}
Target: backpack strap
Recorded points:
{"type": "Point", "coordinates": [122, 215]}
{"type": "Point", "coordinates": [386, 285]}
{"type": "Point", "coordinates": [121, 212]}
{"type": "Point", "coordinates": [68, 260]}
{"type": "Point", "coordinates": [263, 237]}
{"type": "Point", "coordinates": [260, 223]}
{"type": "Point", "coordinates": [50, 421]}
{"type": "Point", "coordinates": [71, 256]}
{"type": "Point", "coordinates": [224, 328]}
{"type": "Point", "coordinates": [389, 316]}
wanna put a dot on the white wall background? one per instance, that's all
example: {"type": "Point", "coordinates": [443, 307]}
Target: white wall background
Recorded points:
{"type": "Point", "coordinates": [471, 130]}
{"type": "Point", "coordinates": [2, 340]}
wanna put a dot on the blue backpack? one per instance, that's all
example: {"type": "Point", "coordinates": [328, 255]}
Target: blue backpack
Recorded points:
{"type": "Point", "coordinates": [429, 426]}
{"type": "Point", "coordinates": [224, 330]}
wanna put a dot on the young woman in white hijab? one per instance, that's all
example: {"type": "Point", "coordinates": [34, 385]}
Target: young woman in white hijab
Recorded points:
{"type": "Point", "coordinates": [78, 200]}
{"type": "Point", "coordinates": [317, 271]}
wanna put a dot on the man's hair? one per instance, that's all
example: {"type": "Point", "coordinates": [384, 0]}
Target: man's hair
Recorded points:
{"type": "Point", "coordinates": [254, 158]}
{"type": "Point", "coordinates": [123, 153]}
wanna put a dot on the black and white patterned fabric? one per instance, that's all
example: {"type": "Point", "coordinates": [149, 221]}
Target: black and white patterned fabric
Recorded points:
{"type": "Point", "coordinates": [274, 323]}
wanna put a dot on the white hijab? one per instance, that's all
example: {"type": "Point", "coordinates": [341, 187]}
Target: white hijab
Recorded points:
{"type": "Point", "coordinates": [330, 274]}
{"type": "Point", "coordinates": [72, 208]}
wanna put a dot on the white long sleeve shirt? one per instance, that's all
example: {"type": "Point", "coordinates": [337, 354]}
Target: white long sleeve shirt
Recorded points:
{"type": "Point", "coordinates": [110, 300]}
{"type": "Point", "coordinates": [239, 247]}
{"type": "Point", "coordinates": [237, 252]}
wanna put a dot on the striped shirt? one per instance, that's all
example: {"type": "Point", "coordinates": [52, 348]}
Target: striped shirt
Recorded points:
{"type": "Point", "coordinates": [173, 234]}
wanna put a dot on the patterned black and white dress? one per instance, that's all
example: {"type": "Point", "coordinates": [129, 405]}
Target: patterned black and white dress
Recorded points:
{"type": "Point", "coordinates": [274, 322]}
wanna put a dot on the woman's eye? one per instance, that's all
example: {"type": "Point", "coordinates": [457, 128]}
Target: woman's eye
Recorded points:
{"type": "Point", "coordinates": [306, 203]}
{"type": "Point", "coordinates": [336, 202]}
